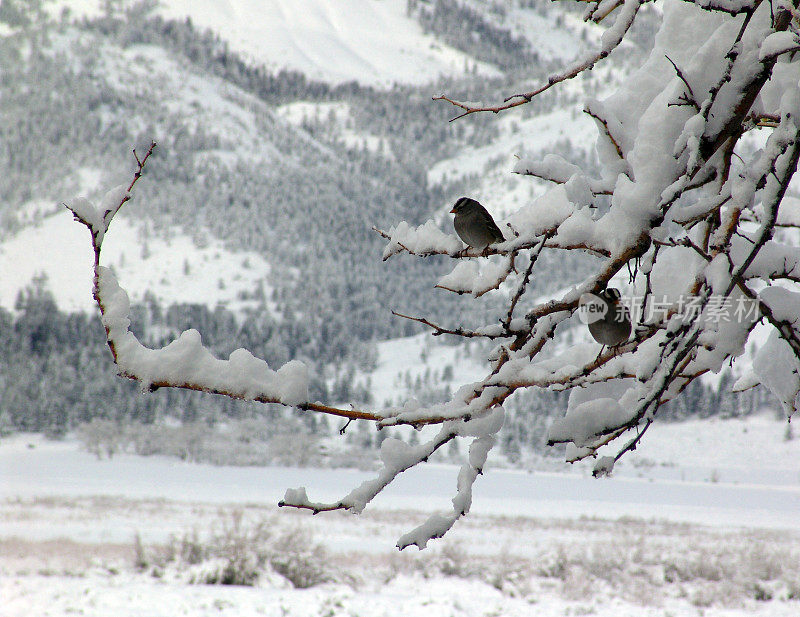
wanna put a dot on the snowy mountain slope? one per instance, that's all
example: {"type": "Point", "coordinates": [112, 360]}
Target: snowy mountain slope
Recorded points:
{"type": "Point", "coordinates": [237, 120]}
{"type": "Point", "coordinates": [406, 367]}
{"type": "Point", "coordinates": [239, 147]}
{"type": "Point", "coordinates": [559, 43]}
{"type": "Point", "coordinates": [225, 126]}
{"type": "Point", "coordinates": [533, 22]}
{"type": "Point", "coordinates": [340, 115]}
{"type": "Point", "coordinates": [171, 270]}
{"type": "Point", "coordinates": [369, 41]}
{"type": "Point", "coordinates": [224, 157]}
{"type": "Point", "coordinates": [175, 266]}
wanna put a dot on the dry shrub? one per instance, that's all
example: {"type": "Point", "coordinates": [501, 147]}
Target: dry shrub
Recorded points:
{"type": "Point", "coordinates": [238, 551]}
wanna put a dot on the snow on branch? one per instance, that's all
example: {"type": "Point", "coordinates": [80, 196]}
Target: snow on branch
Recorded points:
{"type": "Point", "coordinates": [186, 363]}
{"type": "Point", "coordinates": [398, 456]}
{"type": "Point", "coordinates": [556, 169]}
{"type": "Point", "coordinates": [731, 7]}
{"type": "Point", "coordinates": [468, 277]}
{"type": "Point", "coordinates": [677, 142]}
{"type": "Point", "coordinates": [687, 247]}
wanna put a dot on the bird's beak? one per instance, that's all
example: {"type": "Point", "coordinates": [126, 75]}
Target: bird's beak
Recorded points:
{"type": "Point", "coordinates": [453, 211]}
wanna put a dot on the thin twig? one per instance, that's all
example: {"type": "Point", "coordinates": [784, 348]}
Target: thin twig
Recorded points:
{"type": "Point", "coordinates": [579, 67]}
{"type": "Point", "coordinates": [690, 99]}
{"type": "Point", "coordinates": [439, 330]}
{"type": "Point", "coordinates": [587, 110]}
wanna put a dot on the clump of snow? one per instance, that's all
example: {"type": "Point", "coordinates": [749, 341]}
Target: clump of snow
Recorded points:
{"type": "Point", "coordinates": [718, 273]}
{"type": "Point", "coordinates": [85, 211]}
{"type": "Point", "coordinates": [186, 362]}
{"type": "Point", "coordinates": [546, 212]}
{"type": "Point", "coordinates": [98, 218]}
{"type": "Point", "coordinates": [296, 495]}
{"type": "Point", "coordinates": [394, 451]}
{"type": "Point", "coordinates": [789, 213]}
{"type": "Point", "coordinates": [587, 420]}
{"type": "Point", "coordinates": [777, 367]}
{"type": "Point", "coordinates": [603, 466]}
{"type": "Point", "coordinates": [778, 43]}
{"type": "Point", "coordinates": [435, 527]}
{"type": "Point", "coordinates": [748, 380]}
{"type": "Point", "coordinates": [424, 239]}
{"type": "Point", "coordinates": [476, 277]}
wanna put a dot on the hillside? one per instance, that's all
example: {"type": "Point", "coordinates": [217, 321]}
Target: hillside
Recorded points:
{"type": "Point", "coordinates": [338, 44]}
{"type": "Point", "coordinates": [255, 213]}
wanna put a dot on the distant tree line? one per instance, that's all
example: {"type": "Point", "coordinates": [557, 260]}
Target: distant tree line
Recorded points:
{"type": "Point", "coordinates": [61, 112]}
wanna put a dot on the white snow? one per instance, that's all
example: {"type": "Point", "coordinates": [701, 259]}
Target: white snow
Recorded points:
{"type": "Point", "coordinates": [549, 210]}
{"type": "Point", "coordinates": [756, 479]}
{"type": "Point", "coordinates": [186, 361]}
{"type": "Point", "coordinates": [67, 520]}
{"type": "Point", "coordinates": [789, 214]}
{"type": "Point", "coordinates": [552, 42]}
{"type": "Point", "coordinates": [173, 269]}
{"type": "Point", "coordinates": [661, 142]}
{"type": "Point", "coordinates": [751, 451]}
{"type": "Point", "coordinates": [205, 102]}
{"type": "Point", "coordinates": [299, 111]}
{"type": "Point", "coordinates": [402, 361]}
{"type": "Point", "coordinates": [369, 41]}
{"type": "Point", "coordinates": [588, 419]}
{"type": "Point", "coordinates": [341, 122]}
{"type": "Point", "coordinates": [476, 277]}
{"type": "Point", "coordinates": [778, 43]}
{"type": "Point", "coordinates": [777, 368]}
{"type": "Point", "coordinates": [425, 238]}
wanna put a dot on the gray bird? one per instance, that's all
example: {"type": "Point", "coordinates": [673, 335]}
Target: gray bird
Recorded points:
{"type": "Point", "coordinates": [474, 225]}
{"type": "Point", "coordinates": [614, 327]}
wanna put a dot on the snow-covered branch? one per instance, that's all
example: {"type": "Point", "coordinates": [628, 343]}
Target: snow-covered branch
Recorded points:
{"type": "Point", "coordinates": [185, 362]}
{"type": "Point", "coordinates": [398, 456]}
{"type": "Point", "coordinates": [687, 241]}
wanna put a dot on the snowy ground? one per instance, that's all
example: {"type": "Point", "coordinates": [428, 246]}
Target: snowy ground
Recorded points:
{"type": "Point", "coordinates": [549, 543]}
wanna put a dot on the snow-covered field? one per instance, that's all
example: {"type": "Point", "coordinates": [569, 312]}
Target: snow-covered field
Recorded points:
{"type": "Point", "coordinates": [664, 537]}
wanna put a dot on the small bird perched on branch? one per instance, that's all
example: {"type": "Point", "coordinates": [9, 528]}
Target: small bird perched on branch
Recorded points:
{"type": "Point", "coordinates": [614, 327]}
{"type": "Point", "coordinates": [474, 225]}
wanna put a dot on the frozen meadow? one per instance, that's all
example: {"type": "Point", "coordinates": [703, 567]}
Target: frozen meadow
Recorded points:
{"type": "Point", "coordinates": [701, 519]}
{"type": "Point", "coordinates": [148, 536]}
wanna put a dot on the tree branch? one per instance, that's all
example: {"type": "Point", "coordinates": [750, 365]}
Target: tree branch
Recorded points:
{"type": "Point", "coordinates": [620, 28]}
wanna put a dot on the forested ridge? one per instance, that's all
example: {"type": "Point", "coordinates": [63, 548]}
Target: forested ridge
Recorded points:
{"type": "Point", "coordinates": [308, 203]}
